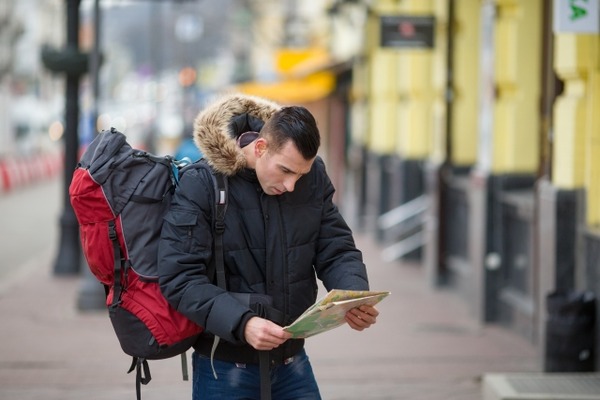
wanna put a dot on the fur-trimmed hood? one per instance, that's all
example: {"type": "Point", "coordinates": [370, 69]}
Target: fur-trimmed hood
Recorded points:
{"type": "Point", "coordinates": [217, 127]}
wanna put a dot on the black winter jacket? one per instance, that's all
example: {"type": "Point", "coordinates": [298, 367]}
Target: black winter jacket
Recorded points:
{"type": "Point", "coordinates": [273, 245]}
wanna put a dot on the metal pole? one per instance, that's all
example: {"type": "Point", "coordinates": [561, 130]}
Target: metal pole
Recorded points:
{"type": "Point", "coordinates": [91, 294]}
{"type": "Point", "coordinates": [95, 63]}
{"type": "Point", "coordinates": [69, 254]}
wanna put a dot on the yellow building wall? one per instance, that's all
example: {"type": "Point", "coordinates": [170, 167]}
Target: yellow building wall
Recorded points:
{"type": "Point", "coordinates": [439, 109]}
{"type": "Point", "coordinates": [572, 65]}
{"type": "Point", "coordinates": [593, 156]}
{"type": "Point", "coordinates": [383, 130]}
{"type": "Point", "coordinates": [401, 88]}
{"type": "Point", "coordinates": [416, 91]}
{"type": "Point", "coordinates": [382, 77]}
{"type": "Point", "coordinates": [463, 133]}
{"type": "Point", "coordinates": [576, 147]}
{"type": "Point", "coordinates": [516, 128]}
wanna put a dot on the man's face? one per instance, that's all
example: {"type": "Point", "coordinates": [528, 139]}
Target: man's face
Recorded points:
{"type": "Point", "coordinates": [279, 171]}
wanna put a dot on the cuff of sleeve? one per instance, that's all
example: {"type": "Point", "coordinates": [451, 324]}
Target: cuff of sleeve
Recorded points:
{"type": "Point", "coordinates": [242, 326]}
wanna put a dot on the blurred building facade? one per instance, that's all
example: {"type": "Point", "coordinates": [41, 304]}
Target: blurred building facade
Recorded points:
{"type": "Point", "coordinates": [29, 95]}
{"type": "Point", "coordinates": [461, 133]}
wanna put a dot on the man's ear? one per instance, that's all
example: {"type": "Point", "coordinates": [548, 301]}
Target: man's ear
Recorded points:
{"type": "Point", "coordinates": [260, 146]}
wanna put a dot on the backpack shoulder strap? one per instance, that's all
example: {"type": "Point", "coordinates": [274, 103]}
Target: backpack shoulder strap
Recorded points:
{"type": "Point", "coordinates": [220, 184]}
{"type": "Point", "coordinates": [220, 187]}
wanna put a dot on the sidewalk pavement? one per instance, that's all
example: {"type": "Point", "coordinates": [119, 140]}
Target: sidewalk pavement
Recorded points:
{"type": "Point", "coordinates": [424, 345]}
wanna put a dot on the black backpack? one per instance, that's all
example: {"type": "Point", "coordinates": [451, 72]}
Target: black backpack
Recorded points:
{"type": "Point", "coordinates": [120, 195]}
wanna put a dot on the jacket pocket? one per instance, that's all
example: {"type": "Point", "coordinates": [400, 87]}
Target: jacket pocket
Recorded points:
{"type": "Point", "coordinates": [183, 223]}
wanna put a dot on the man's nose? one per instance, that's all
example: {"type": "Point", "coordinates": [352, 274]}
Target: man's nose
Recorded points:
{"type": "Point", "coordinates": [290, 183]}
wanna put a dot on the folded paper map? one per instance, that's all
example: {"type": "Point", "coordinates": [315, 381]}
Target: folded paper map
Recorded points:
{"type": "Point", "coordinates": [329, 312]}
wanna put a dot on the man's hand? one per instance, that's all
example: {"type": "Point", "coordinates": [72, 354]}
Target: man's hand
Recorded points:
{"type": "Point", "coordinates": [362, 317]}
{"type": "Point", "coordinates": [263, 334]}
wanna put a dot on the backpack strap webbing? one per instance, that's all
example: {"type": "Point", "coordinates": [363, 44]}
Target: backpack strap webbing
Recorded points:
{"type": "Point", "coordinates": [140, 365]}
{"type": "Point", "coordinates": [219, 228]}
{"type": "Point", "coordinates": [142, 374]}
{"type": "Point", "coordinates": [265, 375]}
{"type": "Point", "coordinates": [220, 186]}
{"type": "Point", "coordinates": [184, 367]}
{"type": "Point", "coordinates": [117, 284]}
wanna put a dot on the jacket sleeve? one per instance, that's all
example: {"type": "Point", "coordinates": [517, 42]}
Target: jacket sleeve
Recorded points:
{"type": "Point", "coordinates": [184, 254]}
{"type": "Point", "coordinates": [339, 264]}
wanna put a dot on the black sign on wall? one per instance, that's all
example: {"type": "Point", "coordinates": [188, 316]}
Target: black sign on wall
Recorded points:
{"type": "Point", "coordinates": [407, 31]}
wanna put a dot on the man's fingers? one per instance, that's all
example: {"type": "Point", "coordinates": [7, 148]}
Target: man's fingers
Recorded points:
{"type": "Point", "coordinates": [365, 316]}
{"type": "Point", "coordinates": [362, 317]}
{"type": "Point", "coordinates": [370, 310]}
{"type": "Point", "coordinates": [263, 334]}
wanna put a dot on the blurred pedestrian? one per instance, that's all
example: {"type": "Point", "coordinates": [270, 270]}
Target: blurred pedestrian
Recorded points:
{"type": "Point", "coordinates": [282, 232]}
{"type": "Point", "coordinates": [187, 149]}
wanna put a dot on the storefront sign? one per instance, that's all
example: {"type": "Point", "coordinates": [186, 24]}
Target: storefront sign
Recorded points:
{"type": "Point", "coordinates": [407, 31]}
{"type": "Point", "coordinates": [576, 16]}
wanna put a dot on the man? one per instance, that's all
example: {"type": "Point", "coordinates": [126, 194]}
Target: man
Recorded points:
{"type": "Point", "coordinates": [282, 232]}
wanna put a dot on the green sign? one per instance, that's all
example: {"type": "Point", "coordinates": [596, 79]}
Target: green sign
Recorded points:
{"type": "Point", "coordinates": [576, 16]}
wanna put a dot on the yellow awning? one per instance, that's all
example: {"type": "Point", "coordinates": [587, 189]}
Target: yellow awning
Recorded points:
{"type": "Point", "coordinates": [303, 77]}
{"type": "Point", "coordinates": [301, 90]}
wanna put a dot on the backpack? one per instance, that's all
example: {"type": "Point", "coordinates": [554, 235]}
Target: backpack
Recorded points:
{"type": "Point", "coordinates": [119, 195]}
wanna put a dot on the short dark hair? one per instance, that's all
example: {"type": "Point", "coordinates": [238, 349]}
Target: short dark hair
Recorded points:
{"type": "Point", "coordinates": [293, 123]}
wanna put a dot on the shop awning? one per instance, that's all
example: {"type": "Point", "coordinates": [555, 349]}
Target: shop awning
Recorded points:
{"type": "Point", "coordinates": [304, 76]}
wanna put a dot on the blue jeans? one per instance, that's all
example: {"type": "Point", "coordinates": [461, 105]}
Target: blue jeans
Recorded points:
{"type": "Point", "coordinates": [292, 381]}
